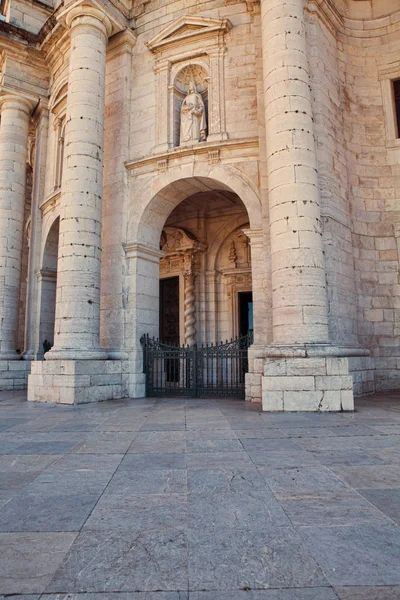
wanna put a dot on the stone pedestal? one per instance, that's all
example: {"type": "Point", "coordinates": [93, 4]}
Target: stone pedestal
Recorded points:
{"type": "Point", "coordinates": [76, 381]}
{"type": "Point", "coordinates": [307, 384]}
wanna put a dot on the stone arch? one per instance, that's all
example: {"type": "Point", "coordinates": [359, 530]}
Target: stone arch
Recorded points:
{"type": "Point", "coordinates": [48, 222]}
{"type": "Point", "coordinates": [59, 94]}
{"type": "Point", "coordinates": [157, 198]}
{"type": "Point", "coordinates": [47, 284]}
{"type": "Point", "coordinates": [226, 230]}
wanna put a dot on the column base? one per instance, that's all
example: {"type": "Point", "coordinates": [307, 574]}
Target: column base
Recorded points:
{"type": "Point", "coordinates": [14, 374]}
{"type": "Point", "coordinates": [307, 384]}
{"type": "Point", "coordinates": [76, 354]}
{"type": "Point", "coordinates": [76, 381]}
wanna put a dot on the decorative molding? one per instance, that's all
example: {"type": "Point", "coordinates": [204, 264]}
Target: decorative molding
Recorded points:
{"type": "Point", "coordinates": [188, 28]}
{"type": "Point", "coordinates": [46, 274]}
{"type": "Point", "coordinates": [162, 165]}
{"type": "Point", "coordinates": [194, 151]}
{"type": "Point", "coordinates": [213, 157]}
{"type": "Point", "coordinates": [189, 42]}
{"type": "Point", "coordinates": [327, 12]}
{"type": "Point", "coordinates": [141, 251]}
{"type": "Point", "coordinates": [50, 203]}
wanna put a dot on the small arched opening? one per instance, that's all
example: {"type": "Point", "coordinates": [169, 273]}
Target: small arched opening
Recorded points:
{"type": "Point", "coordinates": [47, 280]}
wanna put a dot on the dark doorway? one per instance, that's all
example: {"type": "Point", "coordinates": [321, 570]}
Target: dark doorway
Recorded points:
{"type": "Point", "coordinates": [169, 310]}
{"type": "Point", "coordinates": [245, 312]}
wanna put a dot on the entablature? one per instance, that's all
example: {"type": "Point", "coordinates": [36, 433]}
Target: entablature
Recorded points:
{"type": "Point", "coordinates": [211, 152]}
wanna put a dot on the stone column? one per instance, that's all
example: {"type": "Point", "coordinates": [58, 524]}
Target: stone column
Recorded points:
{"type": "Point", "coordinates": [14, 128]}
{"type": "Point", "coordinates": [301, 370]}
{"type": "Point", "coordinates": [190, 308]}
{"type": "Point", "coordinates": [142, 289]}
{"type": "Point", "coordinates": [261, 313]}
{"type": "Point", "coordinates": [77, 326]}
{"type": "Point", "coordinates": [299, 310]}
{"type": "Point", "coordinates": [32, 320]}
{"type": "Point", "coordinates": [75, 371]}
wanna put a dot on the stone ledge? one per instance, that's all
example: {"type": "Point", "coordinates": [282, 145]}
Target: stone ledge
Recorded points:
{"type": "Point", "coordinates": [75, 381]}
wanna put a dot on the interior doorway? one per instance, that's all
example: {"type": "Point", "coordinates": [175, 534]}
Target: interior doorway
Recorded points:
{"type": "Point", "coordinates": [169, 311]}
{"type": "Point", "coordinates": [245, 313]}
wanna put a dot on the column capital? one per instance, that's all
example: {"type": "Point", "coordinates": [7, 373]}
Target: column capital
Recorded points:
{"type": "Point", "coordinates": [13, 100]}
{"type": "Point", "coordinates": [86, 14]}
{"type": "Point", "coordinates": [256, 236]}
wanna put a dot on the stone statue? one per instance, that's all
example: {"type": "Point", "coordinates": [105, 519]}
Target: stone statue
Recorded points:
{"type": "Point", "coordinates": [193, 117]}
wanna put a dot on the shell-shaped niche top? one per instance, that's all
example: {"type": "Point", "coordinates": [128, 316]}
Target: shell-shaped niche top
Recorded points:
{"type": "Point", "coordinates": [192, 74]}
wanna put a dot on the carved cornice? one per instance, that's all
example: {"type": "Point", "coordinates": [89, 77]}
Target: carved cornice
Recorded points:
{"type": "Point", "coordinates": [46, 274]}
{"type": "Point", "coordinates": [142, 251]}
{"type": "Point", "coordinates": [327, 11]}
{"type": "Point", "coordinates": [50, 202]}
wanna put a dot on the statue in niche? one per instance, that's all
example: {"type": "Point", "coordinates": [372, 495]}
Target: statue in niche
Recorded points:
{"type": "Point", "coordinates": [193, 117]}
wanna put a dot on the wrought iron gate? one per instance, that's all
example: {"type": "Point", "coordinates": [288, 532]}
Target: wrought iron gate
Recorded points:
{"type": "Point", "coordinates": [199, 370]}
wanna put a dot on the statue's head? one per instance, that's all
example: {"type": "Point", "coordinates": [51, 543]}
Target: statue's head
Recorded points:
{"type": "Point", "coordinates": [192, 87]}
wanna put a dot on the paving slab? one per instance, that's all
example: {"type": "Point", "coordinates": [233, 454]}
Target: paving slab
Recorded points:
{"type": "Point", "coordinates": [387, 500]}
{"type": "Point", "coordinates": [340, 509]}
{"type": "Point", "coordinates": [135, 513]}
{"type": "Point", "coordinates": [28, 560]}
{"type": "Point", "coordinates": [228, 510]}
{"type": "Point", "coordinates": [46, 512]}
{"type": "Point", "coordinates": [220, 480]}
{"type": "Point", "coordinates": [115, 596]}
{"type": "Point", "coordinates": [348, 555]}
{"type": "Point", "coordinates": [101, 561]}
{"type": "Point", "coordinates": [151, 481]}
{"type": "Point", "coordinates": [325, 593]}
{"type": "Point", "coordinates": [368, 593]}
{"type": "Point", "coordinates": [238, 558]}
{"type": "Point", "coordinates": [377, 476]}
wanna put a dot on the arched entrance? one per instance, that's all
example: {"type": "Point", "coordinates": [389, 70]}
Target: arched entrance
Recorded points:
{"type": "Point", "coordinates": [47, 284]}
{"type": "Point", "coordinates": [192, 247]}
{"type": "Point", "coordinates": [205, 270]}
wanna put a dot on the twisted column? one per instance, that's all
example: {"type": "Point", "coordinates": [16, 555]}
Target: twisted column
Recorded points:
{"type": "Point", "coordinates": [14, 128]}
{"type": "Point", "coordinates": [299, 305]}
{"type": "Point", "coordinates": [77, 324]}
{"type": "Point", "coordinates": [190, 308]}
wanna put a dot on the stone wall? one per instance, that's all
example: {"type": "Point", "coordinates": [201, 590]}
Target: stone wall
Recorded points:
{"type": "Point", "coordinates": [367, 55]}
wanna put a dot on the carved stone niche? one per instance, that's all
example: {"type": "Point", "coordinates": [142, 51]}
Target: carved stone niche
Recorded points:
{"type": "Point", "coordinates": [181, 251]}
{"type": "Point", "coordinates": [189, 48]}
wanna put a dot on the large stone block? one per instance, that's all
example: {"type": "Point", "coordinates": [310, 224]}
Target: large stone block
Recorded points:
{"type": "Point", "coordinates": [76, 382]}
{"type": "Point", "coordinates": [14, 374]}
{"type": "Point", "coordinates": [316, 391]}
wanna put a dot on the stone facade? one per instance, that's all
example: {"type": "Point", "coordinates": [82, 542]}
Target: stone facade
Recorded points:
{"type": "Point", "coordinates": [238, 146]}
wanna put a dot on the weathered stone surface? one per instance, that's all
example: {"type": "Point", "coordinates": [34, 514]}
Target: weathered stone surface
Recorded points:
{"type": "Point", "coordinates": [374, 547]}
{"type": "Point", "coordinates": [269, 165]}
{"type": "Point", "coordinates": [28, 560]}
{"type": "Point", "coordinates": [172, 525]}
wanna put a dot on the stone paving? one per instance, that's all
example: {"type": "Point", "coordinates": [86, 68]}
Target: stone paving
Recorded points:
{"type": "Point", "coordinates": [183, 499]}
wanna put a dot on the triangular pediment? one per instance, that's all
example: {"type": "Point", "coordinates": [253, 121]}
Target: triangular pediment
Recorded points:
{"type": "Point", "coordinates": [185, 28]}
